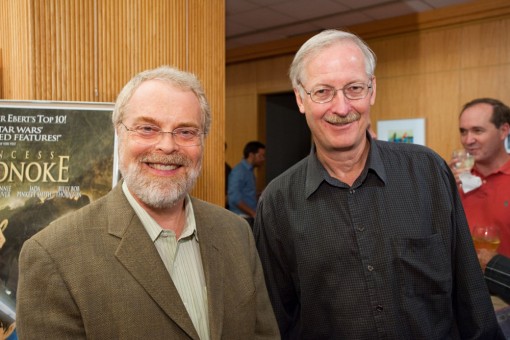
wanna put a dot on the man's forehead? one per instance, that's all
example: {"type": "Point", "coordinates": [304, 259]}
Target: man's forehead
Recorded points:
{"type": "Point", "coordinates": [476, 117]}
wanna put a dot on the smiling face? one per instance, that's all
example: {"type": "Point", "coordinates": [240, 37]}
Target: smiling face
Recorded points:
{"type": "Point", "coordinates": [340, 124]}
{"type": "Point", "coordinates": [160, 175]}
{"type": "Point", "coordinates": [479, 136]}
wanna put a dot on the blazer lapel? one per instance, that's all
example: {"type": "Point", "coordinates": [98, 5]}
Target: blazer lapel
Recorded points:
{"type": "Point", "coordinates": [139, 256]}
{"type": "Point", "coordinates": [210, 249]}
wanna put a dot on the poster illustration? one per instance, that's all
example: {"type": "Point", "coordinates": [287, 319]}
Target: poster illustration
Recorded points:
{"type": "Point", "coordinates": [402, 130]}
{"type": "Point", "coordinates": [55, 157]}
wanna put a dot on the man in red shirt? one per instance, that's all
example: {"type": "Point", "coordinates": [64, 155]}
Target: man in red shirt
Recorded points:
{"type": "Point", "coordinates": [484, 126]}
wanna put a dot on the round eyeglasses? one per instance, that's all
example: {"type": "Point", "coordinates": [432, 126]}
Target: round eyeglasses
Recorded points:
{"type": "Point", "coordinates": [324, 93]}
{"type": "Point", "coordinates": [147, 134]}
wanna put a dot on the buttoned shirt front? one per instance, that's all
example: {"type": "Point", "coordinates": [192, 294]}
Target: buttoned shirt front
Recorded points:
{"type": "Point", "coordinates": [182, 260]}
{"type": "Point", "coordinates": [389, 257]}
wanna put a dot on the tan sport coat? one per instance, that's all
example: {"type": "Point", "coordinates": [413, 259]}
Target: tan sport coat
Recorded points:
{"type": "Point", "coordinates": [96, 274]}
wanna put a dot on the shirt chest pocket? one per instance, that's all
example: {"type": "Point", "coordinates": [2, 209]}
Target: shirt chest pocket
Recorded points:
{"type": "Point", "coordinates": [423, 266]}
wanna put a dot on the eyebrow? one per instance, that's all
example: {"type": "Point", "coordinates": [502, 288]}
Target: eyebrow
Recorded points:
{"type": "Point", "coordinates": [150, 120]}
{"type": "Point", "coordinates": [146, 119]}
{"type": "Point", "coordinates": [347, 84]}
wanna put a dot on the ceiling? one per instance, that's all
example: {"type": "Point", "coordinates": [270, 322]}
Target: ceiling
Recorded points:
{"type": "Point", "coordinates": [250, 22]}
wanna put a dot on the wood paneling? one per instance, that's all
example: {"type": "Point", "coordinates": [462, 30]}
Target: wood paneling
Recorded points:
{"type": "Point", "coordinates": [206, 55]}
{"type": "Point", "coordinates": [429, 65]}
{"type": "Point", "coordinates": [86, 50]}
{"type": "Point", "coordinates": [15, 29]}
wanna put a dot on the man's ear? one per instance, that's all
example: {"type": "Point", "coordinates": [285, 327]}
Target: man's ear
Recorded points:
{"type": "Point", "coordinates": [505, 130]}
{"type": "Point", "coordinates": [299, 101]}
{"type": "Point", "coordinates": [373, 92]}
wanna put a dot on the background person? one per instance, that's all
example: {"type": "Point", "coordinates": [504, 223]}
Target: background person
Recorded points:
{"type": "Point", "coordinates": [242, 185]}
{"type": "Point", "coordinates": [484, 124]}
{"type": "Point", "coordinates": [365, 239]}
{"type": "Point", "coordinates": [147, 261]}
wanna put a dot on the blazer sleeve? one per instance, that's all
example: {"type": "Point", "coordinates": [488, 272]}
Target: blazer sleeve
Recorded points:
{"type": "Point", "coordinates": [42, 288]}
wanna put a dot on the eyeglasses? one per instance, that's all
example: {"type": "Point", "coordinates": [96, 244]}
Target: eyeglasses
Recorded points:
{"type": "Point", "coordinates": [324, 93]}
{"type": "Point", "coordinates": [147, 134]}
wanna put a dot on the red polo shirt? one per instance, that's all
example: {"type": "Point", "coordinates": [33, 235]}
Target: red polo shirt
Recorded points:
{"type": "Point", "coordinates": [489, 204]}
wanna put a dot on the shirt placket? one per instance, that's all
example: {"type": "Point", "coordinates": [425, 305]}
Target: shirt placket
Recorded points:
{"type": "Point", "coordinates": [365, 241]}
{"type": "Point", "coordinates": [167, 248]}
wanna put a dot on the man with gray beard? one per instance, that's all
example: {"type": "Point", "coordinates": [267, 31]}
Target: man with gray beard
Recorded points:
{"type": "Point", "coordinates": [147, 261]}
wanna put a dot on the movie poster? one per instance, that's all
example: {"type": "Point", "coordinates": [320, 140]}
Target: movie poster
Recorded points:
{"type": "Point", "coordinates": [55, 157]}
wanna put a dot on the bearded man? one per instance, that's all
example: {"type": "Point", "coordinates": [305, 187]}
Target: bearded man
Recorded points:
{"type": "Point", "coordinates": [147, 261]}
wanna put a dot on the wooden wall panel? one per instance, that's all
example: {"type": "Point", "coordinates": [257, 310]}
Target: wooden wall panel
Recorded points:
{"type": "Point", "coordinates": [15, 49]}
{"type": "Point", "coordinates": [411, 97]}
{"type": "Point", "coordinates": [86, 50]}
{"type": "Point", "coordinates": [487, 81]}
{"type": "Point", "coordinates": [242, 126]}
{"type": "Point", "coordinates": [269, 81]}
{"type": "Point", "coordinates": [206, 57]}
{"type": "Point", "coordinates": [486, 43]}
{"type": "Point", "coordinates": [244, 77]}
{"type": "Point", "coordinates": [429, 65]}
{"type": "Point", "coordinates": [241, 116]}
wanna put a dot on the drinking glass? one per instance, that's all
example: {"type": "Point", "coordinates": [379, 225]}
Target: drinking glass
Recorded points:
{"type": "Point", "coordinates": [464, 160]}
{"type": "Point", "coordinates": [486, 237]}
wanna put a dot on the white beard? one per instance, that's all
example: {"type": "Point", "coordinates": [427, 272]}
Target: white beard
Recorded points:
{"type": "Point", "coordinates": [159, 192]}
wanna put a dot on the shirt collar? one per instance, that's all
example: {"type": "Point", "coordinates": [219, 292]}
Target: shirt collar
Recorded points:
{"type": "Point", "coordinates": [375, 160]}
{"type": "Point", "coordinates": [246, 164]}
{"type": "Point", "coordinates": [316, 173]}
{"type": "Point", "coordinates": [505, 169]}
{"type": "Point", "coordinates": [152, 227]}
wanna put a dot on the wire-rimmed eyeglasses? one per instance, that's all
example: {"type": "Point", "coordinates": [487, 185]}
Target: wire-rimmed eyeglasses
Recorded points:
{"type": "Point", "coordinates": [147, 134]}
{"type": "Point", "coordinates": [324, 93]}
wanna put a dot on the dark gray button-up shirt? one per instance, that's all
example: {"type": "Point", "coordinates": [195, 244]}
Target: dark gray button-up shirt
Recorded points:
{"type": "Point", "coordinates": [389, 257]}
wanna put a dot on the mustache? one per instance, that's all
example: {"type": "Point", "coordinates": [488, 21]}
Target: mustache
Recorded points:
{"type": "Point", "coordinates": [336, 119]}
{"type": "Point", "coordinates": [176, 159]}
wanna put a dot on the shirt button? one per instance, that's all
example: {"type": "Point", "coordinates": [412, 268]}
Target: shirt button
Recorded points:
{"type": "Point", "coordinates": [370, 268]}
{"type": "Point", "coordinates": [379, 308]}
{"type": "Point", "coordinates": [352, 191]}
{"type": "Point", "coordinates": [360, 228]}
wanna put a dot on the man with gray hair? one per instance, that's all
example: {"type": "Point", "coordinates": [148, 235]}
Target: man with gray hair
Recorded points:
{"type": "Point", "coordinates": [365, 239]}
{"type": "Point", "coordinates": [147, 261]}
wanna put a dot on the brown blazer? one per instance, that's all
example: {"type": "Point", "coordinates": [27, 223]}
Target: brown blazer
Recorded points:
{"type": "Point", "coordinates": [96, 274]}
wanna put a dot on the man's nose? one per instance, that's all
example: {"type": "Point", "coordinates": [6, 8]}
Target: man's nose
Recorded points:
{"type": "Point", "coordinates": [340, 103]}
{"type": "Point", "coordinates": [166, 142]}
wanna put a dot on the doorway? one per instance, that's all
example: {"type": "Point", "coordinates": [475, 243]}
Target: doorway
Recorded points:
{"type": "Point", "coordinates": [288, 138]}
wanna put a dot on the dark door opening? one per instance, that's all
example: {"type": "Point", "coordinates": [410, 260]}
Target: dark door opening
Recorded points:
{"type": "Point", "coordinates": [288, 138]}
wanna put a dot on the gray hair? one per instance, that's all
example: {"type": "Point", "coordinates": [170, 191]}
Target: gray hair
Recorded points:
{"type": "Point", "coordinates": [178, 78]}
{"type": "Point", "coordinates": [321, 41]}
